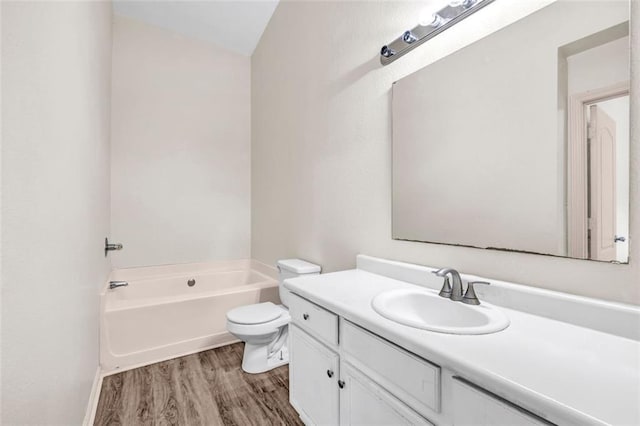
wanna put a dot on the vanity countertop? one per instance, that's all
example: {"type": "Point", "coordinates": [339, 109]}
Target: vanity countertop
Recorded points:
{"type": "Point", "coordinates": [560, 371]}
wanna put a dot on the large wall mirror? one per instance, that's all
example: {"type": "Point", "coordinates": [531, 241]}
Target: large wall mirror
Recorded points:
{"type": "Point", "coordinates": [520, 141]}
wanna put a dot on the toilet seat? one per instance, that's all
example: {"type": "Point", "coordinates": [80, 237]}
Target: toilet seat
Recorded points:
{"type": "Point", "coordinates": [255, 314]}
{"type": "Point", "coordinates": [258, 329]}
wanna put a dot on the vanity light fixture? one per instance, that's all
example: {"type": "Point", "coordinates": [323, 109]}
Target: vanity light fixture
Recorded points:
{"type": "Point", "coordinates": [429, 25]}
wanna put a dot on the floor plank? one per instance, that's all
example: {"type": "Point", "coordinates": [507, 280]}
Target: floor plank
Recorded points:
{"type": "Point", "coordinates": [207, 388]}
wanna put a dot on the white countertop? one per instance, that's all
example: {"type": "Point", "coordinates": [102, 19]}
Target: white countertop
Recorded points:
{"type": "Point", "coordinates": [562, 372]}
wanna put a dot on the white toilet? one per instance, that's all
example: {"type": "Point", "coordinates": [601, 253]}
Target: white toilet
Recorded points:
{"type": "Point", "coordinates": [264, 327]}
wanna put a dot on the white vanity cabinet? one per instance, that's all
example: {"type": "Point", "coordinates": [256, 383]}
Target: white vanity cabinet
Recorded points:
{"type": "Point", "coordinates": [473, 406]}
{"type": "Point", "coordinates": [342, 374]}
{"type": "Point", "coordinates": [409, 378]}
{"type": "Point", "coordinates": [363, 402]}
{"type": "Point", "coordinates": [313, 379]}
{"type": "Point", "coordinates": [315, 320]}
{"type": "Point", "coordinates": [326, 389]}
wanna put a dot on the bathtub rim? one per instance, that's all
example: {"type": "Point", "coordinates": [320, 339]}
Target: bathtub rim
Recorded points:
{"type": "Point", "coordinates": [184, 269]}
{"type": "Point", "coordinates": [127, 304]}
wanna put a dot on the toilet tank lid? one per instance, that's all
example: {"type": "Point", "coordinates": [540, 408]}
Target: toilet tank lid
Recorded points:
{"type": "Point", "coordinates": [298, 266]}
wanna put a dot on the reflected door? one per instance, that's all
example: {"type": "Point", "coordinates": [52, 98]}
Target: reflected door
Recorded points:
{"type": "Point", "coordinates": [602, 151]}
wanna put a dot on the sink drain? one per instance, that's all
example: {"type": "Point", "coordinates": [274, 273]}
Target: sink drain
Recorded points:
{"type": "Point", "coordinates": [191, 282]}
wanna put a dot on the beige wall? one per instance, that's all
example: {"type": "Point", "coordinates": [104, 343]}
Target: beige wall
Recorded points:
{"type": "Point", "coordinates": [321, 146]}
{"type": "Point", "coordinates": [180, 170]}
{"type": "Point", "coordinates": [55, 205]}
{"type": "Point", "coordinates": [1, 256]}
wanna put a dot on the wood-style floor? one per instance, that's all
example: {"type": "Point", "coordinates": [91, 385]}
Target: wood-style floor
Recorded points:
{"type": "Point", "coordinates": [207, 388]}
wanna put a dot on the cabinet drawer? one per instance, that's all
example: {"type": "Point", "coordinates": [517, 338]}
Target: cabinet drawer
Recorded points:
{"type": "Point", "coordinates": [411, 379]}
{"type": "Point", "coordinates": [315, 320]}
{"type": "Point", "coordinates": [474, 406]}
{"type": "Point", "coordinates": [363, 402]}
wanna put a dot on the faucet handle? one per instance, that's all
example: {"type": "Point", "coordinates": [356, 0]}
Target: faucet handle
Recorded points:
{"type": "Point", "coordinates": [441, 272]}
{"type": "Point", "coordinates": [470, 297]}
{"type": "Point", "coordinates": [446, 289]}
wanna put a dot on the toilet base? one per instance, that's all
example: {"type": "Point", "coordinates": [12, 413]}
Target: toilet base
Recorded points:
{"type": "Point", "coordinates": [256, 360]}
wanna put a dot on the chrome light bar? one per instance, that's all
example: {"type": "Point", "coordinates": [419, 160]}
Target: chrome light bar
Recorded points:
{"type": "Point", "coordinates": [430, 27]}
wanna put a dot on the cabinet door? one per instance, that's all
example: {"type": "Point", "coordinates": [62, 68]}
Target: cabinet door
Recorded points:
{"type": "Point", "coordinates": [313, 379]}
{"type": "Point", "coordinates": [362, 402]}
{"type": "Point", "coordinates": [474, 406]}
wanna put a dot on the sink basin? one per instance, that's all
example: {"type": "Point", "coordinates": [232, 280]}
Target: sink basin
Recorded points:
{"type": "Point", "coordinates": [424, 309]}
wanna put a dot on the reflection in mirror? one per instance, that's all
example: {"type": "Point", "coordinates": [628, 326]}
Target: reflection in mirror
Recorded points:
{"type": "Point", "coordinates": [594, 73]}
{"type": "Point", "coordinates": [520, 141]}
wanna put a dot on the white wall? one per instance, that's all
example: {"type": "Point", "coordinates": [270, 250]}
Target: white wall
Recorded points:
{"type": "Point", "coordinates": [55, 207]}
{"type": "Point", "coordinates": [1, 257]}
{"type": "Point", "coordinates": [180, 170]}
{"type": "Point", "coordinates": [598, 67]}
{"type": "Point", "coordinates": [321, 146]}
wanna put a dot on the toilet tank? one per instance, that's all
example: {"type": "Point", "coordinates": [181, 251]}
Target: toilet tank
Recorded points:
{"type": "Point", "coordinates": [291, 268]}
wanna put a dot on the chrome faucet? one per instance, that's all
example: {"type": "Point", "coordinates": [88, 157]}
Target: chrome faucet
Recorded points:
{"type": "Point", "coordinates": [116, 284]}
{"type": "Point", "coordinates": [470, 297]}
{"type": "Point", "coordinates": [455, 292]}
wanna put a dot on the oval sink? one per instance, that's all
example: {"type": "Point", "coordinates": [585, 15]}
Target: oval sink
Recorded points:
{"type": "Point", "coordinates": [428, 311]}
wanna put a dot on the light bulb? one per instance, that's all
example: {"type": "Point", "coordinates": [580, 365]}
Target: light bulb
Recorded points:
{"type": "Point", "coordinates": [464, 3]}
{"type": "Point", "coordinates": [387, 52]}
{"type": "Point", "coordinates": [408, 37]}
{"type": "Point", "coordinates": [430, 18]}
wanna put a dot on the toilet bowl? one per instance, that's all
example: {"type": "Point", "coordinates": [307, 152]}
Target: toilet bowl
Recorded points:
{"type": "Point", "coordinates": [264, 327]}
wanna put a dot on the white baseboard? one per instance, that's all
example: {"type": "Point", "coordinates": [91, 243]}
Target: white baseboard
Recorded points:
{"type": "Point", "coordinates": [94, 397]}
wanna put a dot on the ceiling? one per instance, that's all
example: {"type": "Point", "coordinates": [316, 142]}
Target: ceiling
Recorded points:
{"type": "Point", "coordinates": [235, 25]}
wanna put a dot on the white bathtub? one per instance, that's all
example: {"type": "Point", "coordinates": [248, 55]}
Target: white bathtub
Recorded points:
{"type": "Point", "coordinates": [159, 316]}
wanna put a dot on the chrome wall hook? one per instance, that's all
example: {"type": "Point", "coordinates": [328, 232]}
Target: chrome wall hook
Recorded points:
{"type": "Point", "coordinates": [110, 247]}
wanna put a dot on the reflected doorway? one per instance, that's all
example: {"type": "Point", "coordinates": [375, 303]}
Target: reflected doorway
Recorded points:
{"type": "Point", "coordinates": [599, 177]}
